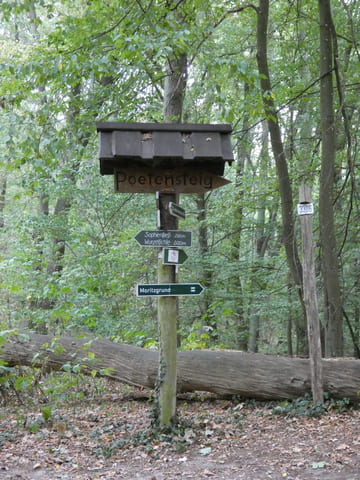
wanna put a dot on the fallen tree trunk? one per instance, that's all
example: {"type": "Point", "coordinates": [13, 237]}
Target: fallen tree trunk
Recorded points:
{"type": "Point", "coordinates": [225, 372]}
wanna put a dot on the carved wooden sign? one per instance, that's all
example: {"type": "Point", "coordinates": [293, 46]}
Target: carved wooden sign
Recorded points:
{"type": "Point", "coordinates": [174, 180]}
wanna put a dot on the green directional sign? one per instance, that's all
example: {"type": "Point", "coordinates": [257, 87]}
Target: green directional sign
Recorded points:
{"type": "Point", "coordinates": [164, 238]}
{"type": "Point", "coordinates": [174, 256]}
{"type": "Point", "coordinates": [169, 289]}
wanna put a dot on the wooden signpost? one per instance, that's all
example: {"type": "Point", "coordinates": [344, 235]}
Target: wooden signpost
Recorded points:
{"type": "Point", "coordinates": [305, 211]}
{"type": "Point", "coordinates": [166, 159]}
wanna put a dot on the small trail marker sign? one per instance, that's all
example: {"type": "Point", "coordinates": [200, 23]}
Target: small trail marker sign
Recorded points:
{"type": "Point", "coordinates": [174, 256]}
{"type": "Point", "coordinates": [305, 209]}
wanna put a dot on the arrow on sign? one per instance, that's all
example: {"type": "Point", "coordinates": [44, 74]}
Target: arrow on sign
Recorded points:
{"type": "Point", "coordinates": [176, 210]}
{"type": "Point", "coordinates": [169, 289]}
{"type": "Point", "coordinates": [174, 256]}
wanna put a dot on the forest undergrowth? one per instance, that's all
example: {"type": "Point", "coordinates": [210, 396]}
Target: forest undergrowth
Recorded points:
{"type": "Point", "coordinates": [69, 426]}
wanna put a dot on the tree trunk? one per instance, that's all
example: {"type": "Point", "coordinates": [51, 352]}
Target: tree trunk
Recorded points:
{"type": "Point", "coordinates": [206, 274]}
{"type": "Point", "coordinates": [224, 372]}
{"type": "Point", "coordinates": [174, 88]}
{"type": "Point", "coordinates": [242, 330]}
{"type": "Point", "coordinates": [262, 240]}
{"type": "Point", "coordinates": [330, 268]}
{"type": "Point", "coordinates": [3, 185]}
{"type": "Point", "coordinates": [285, 191]}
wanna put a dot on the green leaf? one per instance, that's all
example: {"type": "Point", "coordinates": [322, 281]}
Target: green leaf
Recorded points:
{"type": "Point", "coordinates": [33, 427]}
{"type": "Point", "coordinates": [46, 413]}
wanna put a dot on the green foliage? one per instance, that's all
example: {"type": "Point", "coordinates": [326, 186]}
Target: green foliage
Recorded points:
{"type": "Point", "coordinates": [304, 407]}
{"type": "Point", "coordinates": [21, 383]}
{"type": "Point", "coordinates": [68, 259]}
{"type": "Point", "coordinates": [198, 338]}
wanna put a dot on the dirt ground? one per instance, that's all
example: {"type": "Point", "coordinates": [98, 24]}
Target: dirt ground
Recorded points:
{"type": "Point", "coordinates": [108, 436]}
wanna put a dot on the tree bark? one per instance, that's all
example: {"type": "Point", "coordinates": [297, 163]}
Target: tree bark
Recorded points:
{"type": "Point", "coordinates": [174, 88]}
{"type": "Point", "coordinates": [334, 344]}
{"type": "Point", "coordinates": [224, 372]}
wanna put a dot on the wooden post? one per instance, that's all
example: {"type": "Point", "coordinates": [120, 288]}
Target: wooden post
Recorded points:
{"type": "Point", "coordinates": [174, 90]}
{"type": "Point", "coordinates": [167, 321]}
{"type": "Point", "coordinates": [305, 211]}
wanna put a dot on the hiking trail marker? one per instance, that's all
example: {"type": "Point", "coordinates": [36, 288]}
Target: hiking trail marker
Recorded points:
{"type": "Point", "coordinates": [174, 256]}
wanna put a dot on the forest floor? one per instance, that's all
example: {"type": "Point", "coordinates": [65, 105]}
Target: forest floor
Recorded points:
{"type": "Point", "coordinates": [107, 436]}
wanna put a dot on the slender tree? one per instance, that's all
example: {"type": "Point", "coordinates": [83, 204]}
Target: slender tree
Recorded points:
{"type": "Point", "coordinates": [3, 185]}
{"type": "Point", "coordinates": [329, 261]}
{"type": "Point", "coordinates": [284, 182]}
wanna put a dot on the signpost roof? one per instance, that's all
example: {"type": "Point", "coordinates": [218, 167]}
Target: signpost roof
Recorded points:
{"type": "Point", "coordinates": [166, 127]}
{"type": "Point", "coordinates": [164, 145]}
